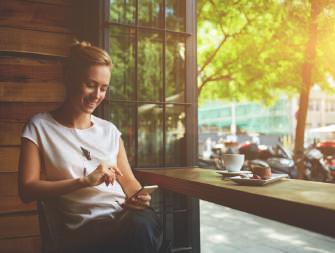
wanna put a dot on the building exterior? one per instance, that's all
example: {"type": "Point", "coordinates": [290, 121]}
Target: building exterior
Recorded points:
{"type": "Point", "coordinates": [321, 109]}
{"type": "Point", "coordinates": [249, 117]}
{"type": "Point", "coordinates": [218, 119]}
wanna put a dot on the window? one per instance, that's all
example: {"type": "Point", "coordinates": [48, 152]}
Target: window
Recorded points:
{"type": "Point", "coordinates": [152, 97]}
{"type": "Point", "coordinates": [149, 98]}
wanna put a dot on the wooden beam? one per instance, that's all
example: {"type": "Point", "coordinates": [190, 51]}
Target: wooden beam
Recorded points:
{"type": "Point", "coordinates": [9, 157]}
{"type": "Point", "coordinates": [23, 111]}
{"type": "Point", "coordinates": [18, 225]}
{"type": "Point", "coordinates": [10, 133]}
{"type": "Point", "coordinates": [55, 2]}
{"type": "Point", "coordinates": [10, 204]}
{"type": "Point", "coordinates": [8, 184]}
{"type": "Point", "coordinates": [30, 70]}
{"type": "Point", "coordinates": [36, 16]}
{"type": "Point", "coordinates": [32, 92]}
{"type": "Point", "coordinates": [36, 42]}
{"type": "Point", "coordinates": [21, 245]}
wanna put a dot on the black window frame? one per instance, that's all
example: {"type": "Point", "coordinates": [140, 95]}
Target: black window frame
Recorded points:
{"type": "Point", "coordinates": [91, 23]}
{"type": "Point", "coordinates": [190, 83]}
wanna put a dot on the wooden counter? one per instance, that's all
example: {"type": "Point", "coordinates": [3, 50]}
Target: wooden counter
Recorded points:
{"type": "Point", "coordinates": [306, 204]}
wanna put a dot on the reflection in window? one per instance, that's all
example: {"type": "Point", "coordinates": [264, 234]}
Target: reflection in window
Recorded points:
{"type": "Point", "coordinates": [138, 56]}
{"type": "Point", "coordinates": [175, 68]}
{"type": "Point", "coordinates": [121, 49]}
{"type": "Point", "coordinates": [123, 116]}
{"type": "Point", "coordinates": [122, 11]}
{"type": "Point", "coordinates": [175, 15]}
{"type": "Point", "coordinates": [150, 135]}
{"type": "Point", "coordinates": [150, 13]}
{"type": "Point", "coordinates": [175, 135]}
{"type": "Point", "coordinates": [150, 67]}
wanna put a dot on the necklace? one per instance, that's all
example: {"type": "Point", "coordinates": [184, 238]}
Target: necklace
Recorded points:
{"type": "Point", "coordinates": [87, 155]}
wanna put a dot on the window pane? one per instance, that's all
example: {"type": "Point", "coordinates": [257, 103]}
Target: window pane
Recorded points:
{"type": "Point", "coordinates": [121, 49]}
{"type": "Point", "coordinates": [150, 13]}
{"type": "Point", "coordinates": [150, 66]}
{"type": "Point", "coordinates": [123, 116]}
{"type": "Point", "coordinates": [150, 135]}
{"type": "Point", "coordinates": [175, 135]}
{"type": "Point", "coordinates": [175, 68]}
{"type": "Point", "coordinates": [175, 15]}
{"type": "Point", "coordinates": [122, 11]}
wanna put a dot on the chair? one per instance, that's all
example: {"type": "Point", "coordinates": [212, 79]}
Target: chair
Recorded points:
{"type": "Point", "coordinates": [50, 227]}
{"type": "Point", "coordinates": [166, 247]}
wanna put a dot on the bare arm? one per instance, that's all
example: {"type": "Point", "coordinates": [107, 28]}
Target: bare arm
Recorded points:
{"type": "Point", "coordinates": [31, 186]}
{"type": "Point", "coordinates": [128, 182]}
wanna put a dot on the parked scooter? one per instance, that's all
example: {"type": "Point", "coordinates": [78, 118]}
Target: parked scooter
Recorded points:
{"type": "Point", "coordinates": [327, 148]}
{"type": "Point", "coordinates": [215, 160]}
{"type": "Point", "coordinates": [315, 165]}
{"type": "Point", "coordinates": [278, 159]}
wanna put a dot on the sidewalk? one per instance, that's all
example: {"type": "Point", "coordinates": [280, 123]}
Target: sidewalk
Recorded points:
{"type": "Point", "coordinates": [224, 230]}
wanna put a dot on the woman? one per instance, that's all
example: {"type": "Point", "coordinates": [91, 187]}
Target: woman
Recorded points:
{"type": "Point", "coordinates": [78, 161]}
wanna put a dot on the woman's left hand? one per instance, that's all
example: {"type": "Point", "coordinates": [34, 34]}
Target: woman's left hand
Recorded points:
{"type": "Point", "coordinates": [139, 202]}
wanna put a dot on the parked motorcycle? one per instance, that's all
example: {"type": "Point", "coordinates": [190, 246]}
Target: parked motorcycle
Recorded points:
{"type": "Point", "coordinates": [327, 148]}
{"type": "Point", "coordinates": [278, 159]}
{"type": "Point", "coordinates": [215, 159]}
{"type": "Point", "coordinates": [315, 165]}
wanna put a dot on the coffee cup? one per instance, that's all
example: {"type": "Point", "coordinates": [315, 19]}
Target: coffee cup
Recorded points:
{"type": "Point", "coordinates": [233, 162]}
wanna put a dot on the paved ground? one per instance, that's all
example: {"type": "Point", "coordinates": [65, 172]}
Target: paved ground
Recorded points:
{"type": "Point", "coordinates": [224, 230]}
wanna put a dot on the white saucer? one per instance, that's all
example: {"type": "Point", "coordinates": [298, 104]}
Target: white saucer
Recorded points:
{"type": "Point", "coordinates": [227, 173]}
{"type": "Point", "coordinates": [251, 181]}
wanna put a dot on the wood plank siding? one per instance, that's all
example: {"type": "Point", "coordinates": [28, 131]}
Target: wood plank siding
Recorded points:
{"type": "Point", "coordinates": [26, 245]}
{"type": "Point", "coordinates": [34, 39]}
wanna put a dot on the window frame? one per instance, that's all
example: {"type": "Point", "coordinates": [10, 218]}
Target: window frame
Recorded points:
{"type": "Point", "coordinates": [91, 24]}
{"type": "Point", "coordinates": [190, 101]}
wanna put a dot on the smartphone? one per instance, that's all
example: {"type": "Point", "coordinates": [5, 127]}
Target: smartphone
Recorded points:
{"type": "Point", "coordinates": [145, 189]}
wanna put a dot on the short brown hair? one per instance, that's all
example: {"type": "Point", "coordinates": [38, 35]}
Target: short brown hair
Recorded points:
{"type": "Point", "coordinates": [81, 56]}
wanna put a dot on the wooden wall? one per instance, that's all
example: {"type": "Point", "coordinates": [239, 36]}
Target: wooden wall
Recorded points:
{"type": "Point", "coordinates": [34, 37]}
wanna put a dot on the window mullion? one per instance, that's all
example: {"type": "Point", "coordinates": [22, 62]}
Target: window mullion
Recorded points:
{"type": "Point", "coordinates": [136, 84]}
{"type": "Point", "coordinates": [164, 85]}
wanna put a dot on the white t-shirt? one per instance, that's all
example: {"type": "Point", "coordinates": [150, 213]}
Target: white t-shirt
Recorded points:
{"type": "Point", "coordinates": [63, 158]}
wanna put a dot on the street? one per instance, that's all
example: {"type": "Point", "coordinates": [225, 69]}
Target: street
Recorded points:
{"type": "Point", "coordinates": [224, 230]}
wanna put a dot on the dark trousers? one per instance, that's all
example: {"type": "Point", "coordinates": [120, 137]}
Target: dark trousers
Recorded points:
{"type": "Point", "coordinates": [129, 232]}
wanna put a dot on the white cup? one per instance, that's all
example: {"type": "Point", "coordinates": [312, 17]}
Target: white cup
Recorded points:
{"type": "Point", "coordinates": [233, 162]}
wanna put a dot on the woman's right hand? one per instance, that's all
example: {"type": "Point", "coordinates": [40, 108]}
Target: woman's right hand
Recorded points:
{"type": "Point", "coordinates": [102, 173]}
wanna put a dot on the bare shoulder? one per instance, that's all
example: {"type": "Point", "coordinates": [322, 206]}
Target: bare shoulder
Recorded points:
{"type": "Point", "coordinates": [104, 123]}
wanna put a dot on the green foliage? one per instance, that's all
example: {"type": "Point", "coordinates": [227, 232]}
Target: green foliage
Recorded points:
{"type": "Point", "coordinates": [255, 49]}
{"type": "Point", "coordinates": [122, 47]}
{"type": "Point", "coordinates": [122, 11]}
{"type": "Point", "coordinates": [150, 65]}
{"type": "Point", "coordinates": [325, 54]}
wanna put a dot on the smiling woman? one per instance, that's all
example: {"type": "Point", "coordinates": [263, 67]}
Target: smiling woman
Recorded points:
{"type": "Point", "coordinates": [77, 162]}
{"type": "Point", "coordinates": [87, 75]}
{"type": "Point", "coordinates": [93, 88]}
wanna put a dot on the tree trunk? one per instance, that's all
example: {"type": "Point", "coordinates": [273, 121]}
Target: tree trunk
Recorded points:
{"type": "Point", "coordinates": [305, 88]}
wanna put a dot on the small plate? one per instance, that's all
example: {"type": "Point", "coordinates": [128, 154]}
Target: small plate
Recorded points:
{"type": "Point", "coordinates": [227, 173]}
{"type": "Point", "coordinates": [251, 181]}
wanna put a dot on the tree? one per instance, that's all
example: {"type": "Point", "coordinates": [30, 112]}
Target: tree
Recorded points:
{"type": "Point", "coordinates": [257, 50]}
{"type": "Point", "coordinates": [307, 69]}
{"type": "Point", "coordinates": [317, 22]}
{"type": "Point", "coordinates": [245, 48]}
